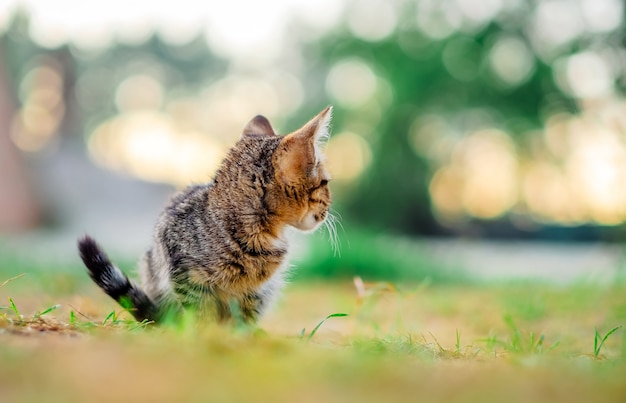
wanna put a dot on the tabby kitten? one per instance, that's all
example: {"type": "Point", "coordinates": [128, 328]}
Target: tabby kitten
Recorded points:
{"type": "Point", "coordinates": [219, 248]}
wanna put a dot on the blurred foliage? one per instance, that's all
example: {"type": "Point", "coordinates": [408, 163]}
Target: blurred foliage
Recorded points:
{"type": "Point", "coordinates": [55, 276]}
{"type": "Point", "coordinates": [374, 258]}
{"type": "Point", "coordinates": [414, 76]}
{"type": "Point", "coordinates": [179, 68]}
{"type": "Point", "coordinates": [393, 193]}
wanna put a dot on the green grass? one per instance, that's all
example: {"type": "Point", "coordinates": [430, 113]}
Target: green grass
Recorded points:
{"type": "Point", "coordinates": [371, 256]}
{"type": "Point", "coordinates": [598, 341]}
{"type": "Point", "coordinates": [378, 323]}
{"type": "Point", "coordinates": [316, 328]}
{"type": "Point", "coordinates": [359, 253]}
{"type": "Point", "coordinates": [391, 342]}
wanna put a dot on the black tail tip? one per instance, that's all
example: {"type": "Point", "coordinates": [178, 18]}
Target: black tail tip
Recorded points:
{"type": "Point", "coordinates": [90, 251]}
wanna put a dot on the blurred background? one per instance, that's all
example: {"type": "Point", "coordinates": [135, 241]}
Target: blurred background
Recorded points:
{"type": "Point", "coordinates": [485, 137]}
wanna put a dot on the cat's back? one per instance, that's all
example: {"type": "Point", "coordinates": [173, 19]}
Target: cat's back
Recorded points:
{"type": "Point", "coordinates": [185, 226]}
{"type": "Point", "coordinates": [189, 201]}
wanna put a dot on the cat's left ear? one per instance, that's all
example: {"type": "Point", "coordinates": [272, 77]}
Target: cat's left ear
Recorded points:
{"type": "Point", "coordinates": [319, 126]}
{"type": "Point", "coordinates": [259, 126]}
{"type": "Point", "coordinates": [316, 132]}
{"type": "Point", "coordinates": [301, 151]}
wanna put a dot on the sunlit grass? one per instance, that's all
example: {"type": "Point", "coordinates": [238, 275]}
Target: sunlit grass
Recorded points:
{"type": "Point", "coordinates": [598, 340]}
{"type": "Point", "coordinates": [346, 340]}
{"type": "Point", "coordinates": [370, 255]}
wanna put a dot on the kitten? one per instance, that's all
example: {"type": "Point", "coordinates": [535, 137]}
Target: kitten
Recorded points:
{"type": "Point", "coordinates": [219, 248]}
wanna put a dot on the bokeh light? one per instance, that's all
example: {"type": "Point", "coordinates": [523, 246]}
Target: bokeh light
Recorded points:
{"type": "Point", "coordinates": [35, 124]}
{"type": "Point", "coordinates": [575, 174]}
{"type": "Point", "coordinates": [511, 60]}
{"type": "Point", "coordinates": [586, 75]}
{"type": "Point", "coordinates": [351, 83]}
{"type": "Point", "coordinates": [490, 108]}
{"type": "Point", "coordinates": [372, 20]}
{"type": "Point", "coordinates": [480, 178]}
{"type": "Point", "coordinates": [148, 146]}
{"type": "Point", "coordinates": [139, 92]}
{"type": "Point", "coordinates": [182, 140]}
{"type": "Point", "coordinates": [348, 156]}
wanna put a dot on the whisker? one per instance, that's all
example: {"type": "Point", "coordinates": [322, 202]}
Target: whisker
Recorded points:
{"type": "Point", "coordinates": [337, 217]}
{"type": "Point", "coordinates": [337, 214]}
{"type": "Point", "coordinates": [331, 239]}
{"type": "Point", "coordinates": [331, 226]}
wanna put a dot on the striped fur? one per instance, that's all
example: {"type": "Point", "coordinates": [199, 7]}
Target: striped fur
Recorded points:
{"type": "Point", "coordinates": [220, 246]}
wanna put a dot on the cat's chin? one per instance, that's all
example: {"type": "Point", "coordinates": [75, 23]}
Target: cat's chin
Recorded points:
{"type": "Point", "coordinates": [308, 223]}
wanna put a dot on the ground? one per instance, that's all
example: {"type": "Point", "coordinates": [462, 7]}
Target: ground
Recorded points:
{"type": "Point", "coordinates": [514, 342]}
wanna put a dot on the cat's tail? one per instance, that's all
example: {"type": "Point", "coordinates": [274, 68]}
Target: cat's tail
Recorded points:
{"type": "Point", "coordinates": [115, 283]}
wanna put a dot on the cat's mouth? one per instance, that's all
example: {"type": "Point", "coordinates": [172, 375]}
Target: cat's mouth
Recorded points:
{"type": "Point", "coordinates": [311, 220]}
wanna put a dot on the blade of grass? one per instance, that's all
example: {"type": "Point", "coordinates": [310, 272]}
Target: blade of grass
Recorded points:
{"type": "Point", "coordinates": [437, 342]}
{"type": "Point", "coordinates": [45, 311]}
{"type": "Point", "coordinates": [334, 315]}
{"type": "Point", "coordinates": [14, 308]}
{"type": "Point", "coordinates": [5, 282]}
{"type": "Point", "coordinates": [82, 314]}
{"type": "Point", "coordinates": [141, 325]}
{"type": "Point", "coordinates": [73, 319]}
{"type": "Point", "coordinates": [110, 316]}
{"type": "Point", "coordinates": [597, 346]}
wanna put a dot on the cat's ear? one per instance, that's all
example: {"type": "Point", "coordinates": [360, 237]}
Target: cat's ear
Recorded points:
{"type": "Point", "coordinates": [301, 150]}
{"type": "Point", "coordinates": [314, 133]}
{"type": "Point", "coordinates": [317, 130]}
{"type": "Point", "coordinates": [259, 126]}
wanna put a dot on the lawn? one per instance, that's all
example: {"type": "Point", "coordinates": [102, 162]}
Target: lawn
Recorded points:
{"type": "Point", "coordinates": [409, 341]}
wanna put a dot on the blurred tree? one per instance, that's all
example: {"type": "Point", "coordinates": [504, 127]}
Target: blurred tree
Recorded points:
{"type": "Point", "coordinates": [19, 209]}
{"type": "Point", "coordinates": [443, 77]}
{"type": "Point", "coordinates": [386, 80]}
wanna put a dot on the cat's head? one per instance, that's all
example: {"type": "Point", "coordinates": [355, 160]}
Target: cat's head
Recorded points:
{"type": "Point", "coordinates": [299, 194]}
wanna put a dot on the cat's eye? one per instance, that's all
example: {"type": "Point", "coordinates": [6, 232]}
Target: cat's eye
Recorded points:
{"type": "Point", "coordinates": [322, 183]}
